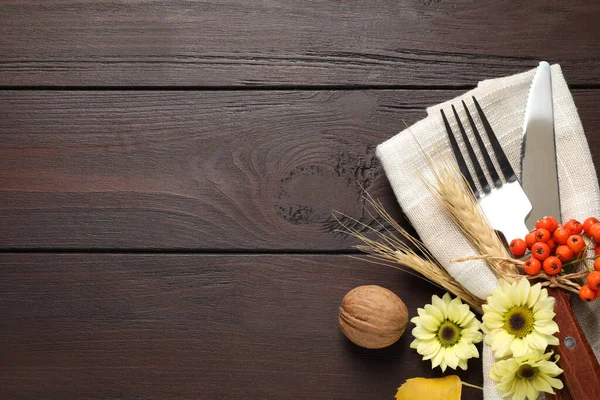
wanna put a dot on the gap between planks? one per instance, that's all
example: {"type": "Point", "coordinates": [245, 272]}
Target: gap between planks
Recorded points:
{"type": "Point", "coordinates": [256, 88]}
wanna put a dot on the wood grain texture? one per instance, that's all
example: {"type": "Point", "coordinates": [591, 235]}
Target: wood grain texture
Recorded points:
{"type": "Point", "coordinates": [200, 170]}
{"type": "Point", "coordinates": [174, 326]}
{"type": "Point", "coordinates": [291, 42]}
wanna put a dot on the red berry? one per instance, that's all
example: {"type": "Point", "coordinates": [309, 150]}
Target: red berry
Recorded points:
{"type": "Point", "coordinates": [542, 235]}
{"type": "Point", "coordinates": [532, 266]}
{"type": "Point", "coordinates": [576, 243]}
{"type": "Point", "coordinates": [561, 234]}
{"type": "Point", "coordinates": [587, 224]}
{"type": "Point", "coordinates": [548, 223]}
{"type": "Point", "coordinates": [564, 253]}
{"type": "Point", "coordinates": [595, 232]}
{"type": "Point", "coordinates": [540, 250]}
{"type": "Point", "coordinates": [530, 239]}
{"type": "Point", "coordinates": [574, 226]}
{"type": "Point", "coordinates": [597, 264]}
{"type": "Point", "coordinates": [597, 250]}
{"type": "Point", "coordinates": [587, 294]}
{"type": "Point", "coordinates": [552, 265]}
{"type": "Point", "coordinates": [518, 247]}
{"type": "Point", "coordinates": [593, 280]}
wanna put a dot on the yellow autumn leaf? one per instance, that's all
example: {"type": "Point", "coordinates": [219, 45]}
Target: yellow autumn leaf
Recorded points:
{"type": "Point", "coordinates": [446, 388]}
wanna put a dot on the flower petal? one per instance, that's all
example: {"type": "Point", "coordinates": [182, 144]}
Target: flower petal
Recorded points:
{"type": "Point", "coordinates": [518, 347]}
{"type": "Point", "coordinates": [545, 314]}
{"type": "Point", "coordinates": [541, 385]}
{"type": "Point", "coordinates": [499, 302]}
{"type": "Point", "coordinates": [435, 312]}
{"type": "Point", "coordinates": [537, 341]}
{"type": "Point", "coordinates": [513, 295]}
{"type": "Point", "coordinates": [534, 294]}
{"type": "Point", "coordinates": [447, 298]}
{"type": "Point", "coordinates": [435, 361]}
{"type": "Point", "coordinates": [547, 303]}
{"type": "Point", "coordinates": [427, 347]}
{"type": "Point", "coordinates": [423, 334]}
{"type": "Point", "coordinates": [440, 305]}
{"type": "Point", "coordinates": [462, 350]}
{"type": "Point", "coordinates": [443, 364]}
{"type": "Point", "coordinates": [532, 393]}
{"type": "Point", "coordinates": [430, 323]}
{"type": "Point", "coordinates": [549, 368]}
{"type": "Point", "coordinates": [472, 336]}
{"type": "Point", "coordinates": [451, 359]}
{"type": "Point", "coordinates": [494, 324]}
{"type": "Point", "coordinates": [503, 341]}
{"type": "Point", "coordinates": [549, 328]}
{"type": "Point", "coordinates": [454, 312]}
{"type": "Point", "coordinates": [432, 355]}
{"type": "Point", "coordinates": [523, 289]}
{"type": "Point", "coordinates": [466, 316]}
{"type": "Point", "coordinates": [520, 388]}
{"type": "Point", "coordinates": [553, 340]}
{"type": "Point", "coordinates": [555, 383]}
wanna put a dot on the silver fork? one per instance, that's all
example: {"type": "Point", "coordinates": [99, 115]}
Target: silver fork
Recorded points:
{"type": "Point", "coordinates": [503, 201]}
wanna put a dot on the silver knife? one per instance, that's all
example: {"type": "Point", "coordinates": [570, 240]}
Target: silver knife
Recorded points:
{"type": "Point", "coordinates": [539, 179]}
{"type": "Point", "coordinates": [539, 175]}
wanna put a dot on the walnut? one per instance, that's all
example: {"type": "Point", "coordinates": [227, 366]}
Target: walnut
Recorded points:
{"type": "Point", "coordinates": [372, 316]}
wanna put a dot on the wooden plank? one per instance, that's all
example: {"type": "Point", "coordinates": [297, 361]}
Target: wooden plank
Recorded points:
{"type": "Point", "coordinates": [291, 42]}
{"type": "Point", "coordinates": [191, 326]}
{"type": "Point", "coordinates": [200, 170]}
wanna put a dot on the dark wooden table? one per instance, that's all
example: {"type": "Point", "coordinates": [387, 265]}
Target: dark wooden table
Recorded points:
{"type": "Point", "coordinates": [168, 170]}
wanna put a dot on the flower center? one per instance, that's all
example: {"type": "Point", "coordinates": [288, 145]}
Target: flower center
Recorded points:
{"type": "Point", "coordinates": [519, 321]}
{"type": "Point", "coordinates": [526, 371]}
{"type": "Point", "coordinates": [448, 334]}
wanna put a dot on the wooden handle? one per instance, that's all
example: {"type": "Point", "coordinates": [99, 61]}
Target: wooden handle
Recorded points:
{"type": "Point", "coordinates": [581, 368]}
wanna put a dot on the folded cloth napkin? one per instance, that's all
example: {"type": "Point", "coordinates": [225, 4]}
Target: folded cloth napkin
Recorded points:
{"type": "Point", "coordinates": [503, 100]}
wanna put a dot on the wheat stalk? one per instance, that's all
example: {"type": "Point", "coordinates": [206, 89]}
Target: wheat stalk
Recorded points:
{"type": "Point", "coordinates": [391, 251]}
{"type": "Point", "coordinates": [460, 204]}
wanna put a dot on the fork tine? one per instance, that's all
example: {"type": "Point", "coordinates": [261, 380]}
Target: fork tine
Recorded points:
{"type": "Point", "coordinates": [478, 171]}
{"type": "Point", "coordinates": [486, 156]}
{"type": "Point", "coordinates": [507, 171]}
{"type": "Point", "coordinates": [458, 156]}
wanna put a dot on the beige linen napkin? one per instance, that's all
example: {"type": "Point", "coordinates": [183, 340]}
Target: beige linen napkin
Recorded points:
{"type": "Point", "coordinates": [503, 101]}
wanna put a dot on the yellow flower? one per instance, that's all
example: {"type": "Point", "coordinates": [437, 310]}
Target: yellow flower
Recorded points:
{"type": "Point", "coordinates": [517, 319]}
{"type": "Point", "coordinates": [445, 333]}
{"type": "Point", "coordinates": [525, 377]}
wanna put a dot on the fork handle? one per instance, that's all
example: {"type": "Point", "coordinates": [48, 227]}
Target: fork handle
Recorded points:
{"type": "Point", "coordinates": [580, 365]}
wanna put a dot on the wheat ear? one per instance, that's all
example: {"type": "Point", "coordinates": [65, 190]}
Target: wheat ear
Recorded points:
{"type": "Point", "coordinates": [391, 251]}
{"type": "Point", "coordinates": [460, 204]}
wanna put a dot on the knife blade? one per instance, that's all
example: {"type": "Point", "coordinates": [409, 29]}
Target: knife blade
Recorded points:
{"type": "Point", "coordinates": [539, 179]}
{"type": "Point", "coordinates": [539, 175]}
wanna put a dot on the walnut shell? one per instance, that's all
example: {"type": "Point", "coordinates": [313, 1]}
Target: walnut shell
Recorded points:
{"type": "Point", "coordinates": [372, 316]}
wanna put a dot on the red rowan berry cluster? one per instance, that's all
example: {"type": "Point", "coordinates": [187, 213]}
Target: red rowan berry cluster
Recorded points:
{"type": "Point", "coordinates": [553, 246]}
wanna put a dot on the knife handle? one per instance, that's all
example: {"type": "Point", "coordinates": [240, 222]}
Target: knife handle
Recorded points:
{"type": "Point", "coordinates": [577, 359]}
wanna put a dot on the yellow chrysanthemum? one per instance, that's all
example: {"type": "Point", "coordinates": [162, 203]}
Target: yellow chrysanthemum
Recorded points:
{"type": "Point", "coordinates": [445, 333]}
{"type": "Point", "coordinates": [517, 319]}
{"type": "Point", "coordinates": [525, 377]}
